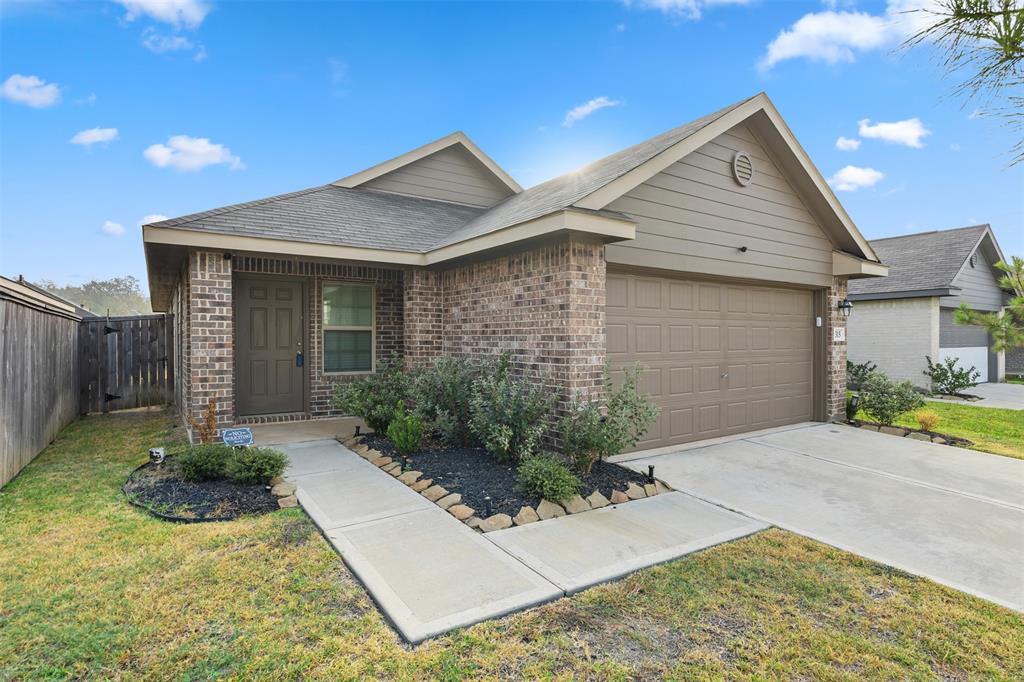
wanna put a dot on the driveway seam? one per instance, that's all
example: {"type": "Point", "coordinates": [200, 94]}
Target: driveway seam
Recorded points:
{"type": "Point", "coordinates": [895, 477]}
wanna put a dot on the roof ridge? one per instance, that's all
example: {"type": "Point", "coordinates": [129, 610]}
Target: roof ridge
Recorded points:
{"type": "Point", "coordinates": [919, 234]}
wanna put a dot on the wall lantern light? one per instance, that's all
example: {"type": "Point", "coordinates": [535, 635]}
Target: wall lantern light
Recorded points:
{"type": "Point", "coordinates": [845, 307]}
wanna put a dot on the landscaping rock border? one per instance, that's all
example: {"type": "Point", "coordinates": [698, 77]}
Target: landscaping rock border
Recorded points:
{"type": "Point", "coordinates": [915, 434]}
{"type": "Point", "coordinates": [452, 502]}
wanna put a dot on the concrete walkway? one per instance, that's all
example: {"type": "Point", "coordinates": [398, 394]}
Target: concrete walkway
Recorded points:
{"type": "Point", "coordinates": [1006, 396]}
{"type": "Point", "coordinates": [430, 573]}
{"type": "Point", "coordinates": [953, 515]}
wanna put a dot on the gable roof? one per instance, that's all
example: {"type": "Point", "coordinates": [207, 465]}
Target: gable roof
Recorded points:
{"type": "Point", "coordinates": [922, 262]}
{"type": "Point", "coordinates": [457, 138]}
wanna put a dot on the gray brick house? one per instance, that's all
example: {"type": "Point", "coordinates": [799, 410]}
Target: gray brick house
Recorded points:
{"type": "Point", "coordinates": [715, 255]}
{"type": "Point", "coordinates": [899, 320]}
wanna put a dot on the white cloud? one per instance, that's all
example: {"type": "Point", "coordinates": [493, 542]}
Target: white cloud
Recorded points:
{"type": "Point", "coordinates": [159, 43]}
{"type": "Point", "coordinates": [186, 153]}
{"type": "Point", "coordinates": [578, 113]}
{"type": "Point", "coordinates": [845, 144]}
{"type": "Point", "coordinates": [852, 178]}
{"type": "Point", "coordinates": [339, 69]}
{"type": "Point", "coordinates": [30, 90]}
{"type": "Point", "coordinates": [834, 37]}
{"type": "Point", "coordinates": [89, 99]}
{"type": "Point", "coordinates": [954, 147]}
{"type": "Point", "coordinates": [178, 13]}
{"type": "Point", "coordinates": [111, 228]}
{"type": "Point", "coordinates": [619, 28]}
{"type": "Point", "coordinates": [686, 9]}
{"type": "Point", "coordinates": [92, 136]}
{"type": "Point", "coordinates": [908, 132]}
{"type": "Point", "coordinates": [152, 218]}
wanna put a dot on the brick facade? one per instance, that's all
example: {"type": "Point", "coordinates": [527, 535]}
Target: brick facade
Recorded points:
{"type": "Point", "coordinates": [835, 353]}
{"type": "Point", "coordinates": [210, 325]}
{"type": "Point", "coordinates": [545, 306]}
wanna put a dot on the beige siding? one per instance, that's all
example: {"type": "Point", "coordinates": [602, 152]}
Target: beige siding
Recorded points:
{"type": "Point", "coordinates": [979, 286]}
{"type": "Point", "coordinates": [452, 174]}
{"type": "Point", "coordinates": [694, 217]}
{"type": "Point", "coordinates": [896, 335]}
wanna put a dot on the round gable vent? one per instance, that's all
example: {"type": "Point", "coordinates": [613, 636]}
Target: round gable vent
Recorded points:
{"type": "Point", "coordinates": [742, 168]}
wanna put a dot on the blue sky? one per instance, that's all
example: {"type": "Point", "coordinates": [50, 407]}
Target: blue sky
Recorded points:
{"type": "Point", "coordinates": [179, 106]}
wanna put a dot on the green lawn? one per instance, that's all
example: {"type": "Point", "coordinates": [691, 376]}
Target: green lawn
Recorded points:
{"type": "Point", "coordinates": [1015, 380]}
{"type": "Point", "coordinates": [92, 588]}
{"type": "Point", "coordinates": [994, 430]}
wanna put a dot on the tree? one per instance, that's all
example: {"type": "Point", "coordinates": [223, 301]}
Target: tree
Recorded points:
{"type": "Point", "coordinates": [1006, 328]}
{"type": "Point", "coordinates": [119, 295]}
{"type": "Point", "coordinates": [984, 41]}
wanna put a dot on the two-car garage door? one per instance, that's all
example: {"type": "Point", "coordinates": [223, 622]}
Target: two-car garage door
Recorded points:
{"type": "Point", "coordinates": [718, 358]}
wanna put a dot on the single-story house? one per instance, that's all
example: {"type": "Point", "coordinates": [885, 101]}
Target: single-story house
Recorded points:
{"type": "Point", "coordinates": [900, 319]}
{"type": "Point", "coordinates": [715, 255]}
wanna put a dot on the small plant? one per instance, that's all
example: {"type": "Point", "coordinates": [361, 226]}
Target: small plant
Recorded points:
{"type": "Point", "coordinates": [545, 476]}
{"type": "Point", "coordinates": [857, 374]}
{"type": "Point", "coordinates": [927, 419]}
{"type": "Point", "coordinates": [204, 462]}
{"type": "Point", "coordinates": [405, 430]}
{"type": "Point", "coordinates": [885, 400]}
{"type": "Point", "coordinates": [373, 397]}
{"type": "Point", "coordinates": [587, 435]}
{"type": "Point", "coordinates": [508, 415]}
{"type": "Point", "coordinates": [948, 379]}
{"type": "Point", "coordinates": [441, 393]}
{"type": "Point", "coordinates": [255, 465]}
{"type": "Point", "coordinates": [205, 430]}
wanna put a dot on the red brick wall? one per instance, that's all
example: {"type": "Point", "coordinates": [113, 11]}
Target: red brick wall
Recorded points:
{"type": "Point", "coordinates": [210, 353]}
{"type": "Point", "coordinates": [835, 353]}
{"type": "Point", "coordinates": [545, 306]}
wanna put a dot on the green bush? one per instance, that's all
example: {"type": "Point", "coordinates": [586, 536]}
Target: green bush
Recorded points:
{"type": "Point", "coordinates": [255, 465]}
{"type": "Point", "coordinates": [949, 379]}
{"type": "Point", "coordinates": [441, 393]}
{"type": "Point", "coordinates": [857, 374]}
{"type": "Point", "coordinates": [508, 415]}
{"type": "Point", "coordinates": [373, 397]}
{"type": "Point", "coordinates": [405, 430]}
{"type": "Point", "coordinates": [587, 436]}
{"type": "Point", "coordinates": [204, 462]}
{"type": "Point", "coordinates": [545, 476]}
{"type": "Point", "coordinates": [885, 400]}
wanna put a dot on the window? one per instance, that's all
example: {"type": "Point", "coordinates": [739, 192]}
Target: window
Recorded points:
{"type": "Point", "coordinates": [348, 328]}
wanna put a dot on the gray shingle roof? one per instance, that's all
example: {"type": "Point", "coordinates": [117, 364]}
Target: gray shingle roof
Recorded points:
{"type": "Point", "coordinates": [371, 219]}
{"type": "Point", "coordinates": [338, 216]}
{"type": "Point", "coordinates": [918, 262]}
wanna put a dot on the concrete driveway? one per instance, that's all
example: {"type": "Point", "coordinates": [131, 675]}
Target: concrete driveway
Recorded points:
{"type": "Point", "coordinates": [1006, 396]}
{"type": "Point", "coordinates": [952, 515]}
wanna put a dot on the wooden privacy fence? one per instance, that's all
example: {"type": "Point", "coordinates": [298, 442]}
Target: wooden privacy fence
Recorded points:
{"type": "Point", "coordinates": [126, 362]}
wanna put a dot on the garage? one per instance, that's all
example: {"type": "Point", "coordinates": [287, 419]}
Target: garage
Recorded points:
{"type": "Point", "coordinates": [968, 344]}
{"type": "Point", "coordinates": [719, 358]}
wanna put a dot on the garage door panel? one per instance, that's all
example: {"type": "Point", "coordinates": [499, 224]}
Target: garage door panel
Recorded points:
{"type": "Point", "coordinates": [720, 359]}
{"type": "Point", "coordinates": [616, 292]}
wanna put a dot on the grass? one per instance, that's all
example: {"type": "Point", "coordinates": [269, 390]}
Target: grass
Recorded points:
{"type": "Point", "coordinates": [994, 430]}
{"type": "Point", "coordinates": [93, 588]}
{"type": "Point", "coordinates": [1015, 380]}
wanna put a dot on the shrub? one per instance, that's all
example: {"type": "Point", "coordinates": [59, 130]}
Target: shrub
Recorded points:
{"type": "Point", "coordinates": [927, 419]}
{"type": "Point", "coordinates": [857, 374]}
{"type": "Point", "coordinates": [373, 397]}
{"type": "Point", "coordinates": [441, 394]}
{"type": "Point", "coordinates": [547, 477]}
{"type": "Point", "coordinates": [405, 430]}
{"type": "Point", "coordinates": [204, 462]}
{"type": "Point", "coordinates": [587, 436]}
{"type": "Point", "coordinates": [508, 415]}
{"type": "Point", "coordinates": [949, 379]}
{"type": "Point", "coordinates": [255, 465]}
{"type": "Point", "coordinates": [886, 400]}
{"type": "Point", "coordinates": [205, 430]}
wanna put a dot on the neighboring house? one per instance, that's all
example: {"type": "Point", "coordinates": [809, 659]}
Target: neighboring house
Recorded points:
{"type": "Point", "coordinates": [715, 255]}
{"type": "Point", "coordinates": [899, 320]}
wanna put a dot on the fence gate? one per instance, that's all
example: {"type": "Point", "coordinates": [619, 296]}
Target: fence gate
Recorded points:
{"type": "Point", "coordinates": [126, 362]}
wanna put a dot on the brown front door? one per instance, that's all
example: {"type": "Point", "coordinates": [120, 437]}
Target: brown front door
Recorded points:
{"type": "Point", "coordinates": [268, 339]}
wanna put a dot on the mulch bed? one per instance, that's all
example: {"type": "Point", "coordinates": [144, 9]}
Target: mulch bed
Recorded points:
{"type": "Point", "coordinates": [160, 490]}
{"type": "Point", "coordinates": [475, 474]}
{"type": "Point", "coordinates": [950, 440]}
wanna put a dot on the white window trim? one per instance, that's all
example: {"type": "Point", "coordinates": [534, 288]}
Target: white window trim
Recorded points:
{"type": "Point", "coordinates": [372, 328]}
